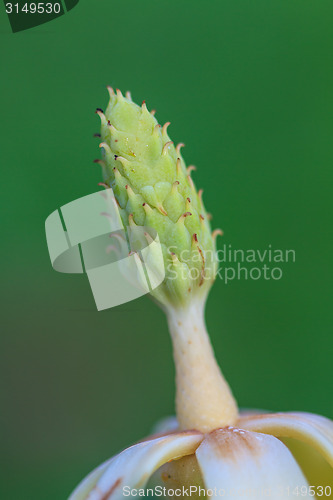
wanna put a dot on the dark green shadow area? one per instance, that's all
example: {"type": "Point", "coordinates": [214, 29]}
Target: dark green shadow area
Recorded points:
{"type": "Point", "coordinates": [71, 3]}
{"type": "Point", "coordinates": [24, 15]}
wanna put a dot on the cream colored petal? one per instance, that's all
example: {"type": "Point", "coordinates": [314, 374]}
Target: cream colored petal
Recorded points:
{"type": "Point", "coordinates": [248, 465]}
{"type": "Point", "coordinates": [312, 429]}
{"type": "Point", "coordinates": [134, 466]}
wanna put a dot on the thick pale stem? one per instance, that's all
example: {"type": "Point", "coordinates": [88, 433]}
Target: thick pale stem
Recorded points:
{"type": "Point", "coordinates": [203, 398]}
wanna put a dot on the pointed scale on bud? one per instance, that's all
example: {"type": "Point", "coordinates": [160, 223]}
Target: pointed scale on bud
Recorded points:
{"type": "Point", "coordinates": [154, 188]}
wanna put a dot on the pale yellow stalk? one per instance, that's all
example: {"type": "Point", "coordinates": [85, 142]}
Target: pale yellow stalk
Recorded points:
{"type": "Point", "coordinates": [203, 398]}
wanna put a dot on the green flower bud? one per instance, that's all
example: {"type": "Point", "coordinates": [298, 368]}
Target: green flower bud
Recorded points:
{"type": "Point", "coordinates": [154, 188]}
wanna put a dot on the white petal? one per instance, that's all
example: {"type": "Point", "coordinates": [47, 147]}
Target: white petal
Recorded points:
{"type": "Point", "coordinates": [88, 483]}
{"type": "Point", "coordinates": [167, 424]}
{"type": "Point", "coordinates": [250, 412]}
{"type": "Point", "coordinates": [134, 466]}
{"type": "Point", "coordinates": [249, 465]}
{"type": "Point", "coordinates": [313, 429]}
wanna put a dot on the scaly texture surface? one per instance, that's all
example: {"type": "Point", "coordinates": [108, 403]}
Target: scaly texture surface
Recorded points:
{"type": "Point", "coordinates": [154, 188]}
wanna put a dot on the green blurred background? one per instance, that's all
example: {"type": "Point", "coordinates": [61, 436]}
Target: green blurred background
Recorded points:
{"type": "Point", "coordinates": [247, 86]}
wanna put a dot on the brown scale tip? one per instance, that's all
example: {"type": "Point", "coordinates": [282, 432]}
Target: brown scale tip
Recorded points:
{"type": "Point", "coordinates": [183, 216]}
{"type": "Point", "coordinates": [129, 189]}
{"type": "Point", "coordinates": [165, 126]}
{"type": "Point", "coordinates": [103, 184]}
{"type": "Point", "coordinates": [122, 160]}
{"type": "Point", "coordinates": [166, 146]}
{"type": "Point", "coordinates": [148, 237]}
{"type": "Point", "coordinates": [156, 128]}
{"type": "Point", "coordinates": [173, 256]}
{"type": "Point", "coordinates": [147, 208]}
{"type": "Point", "coordinates": [161, 209]}
{"type": "Point", "coordinates": [116, 172]}
{"type": "Point", "coordinates": [100, 162]}
{"type": "Point", "coordinates": [189, 178]}
{"type": "Point", "coordinates": [190, 169]}
{"type": "Point", "coordinates": [174, 186]}
{"type": "Point", "coordinates": [131, 219]}
{"type": "Point", "coordinates": [196, 243]}
{"type": "Point", "coordinates": [109, 123]}
{"type": "Point", "coordinates": [179, 146]}
{"type": "Point", "coordinates": [188, 205]}
{"type": "Point", "coordinates": [217, 232]}
{"type": "Point", "coordinates": [153, 111]}
{"type": "Point", "coordinates": [106, 214]}
{"type": "Point", "coordinates": [97, 135]}
{"type": "Point", "coordinates": [105, 146]}
{"type": "Point", "coordinates": [118, 237]}
{"type": "Point", "coordinates": [99, 110]}
{"type": "Point", "coordinates": [112, 248]}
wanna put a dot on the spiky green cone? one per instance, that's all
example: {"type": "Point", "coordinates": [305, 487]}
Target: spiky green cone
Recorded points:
{"type": "Point", "coordinates": [154, 188]}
